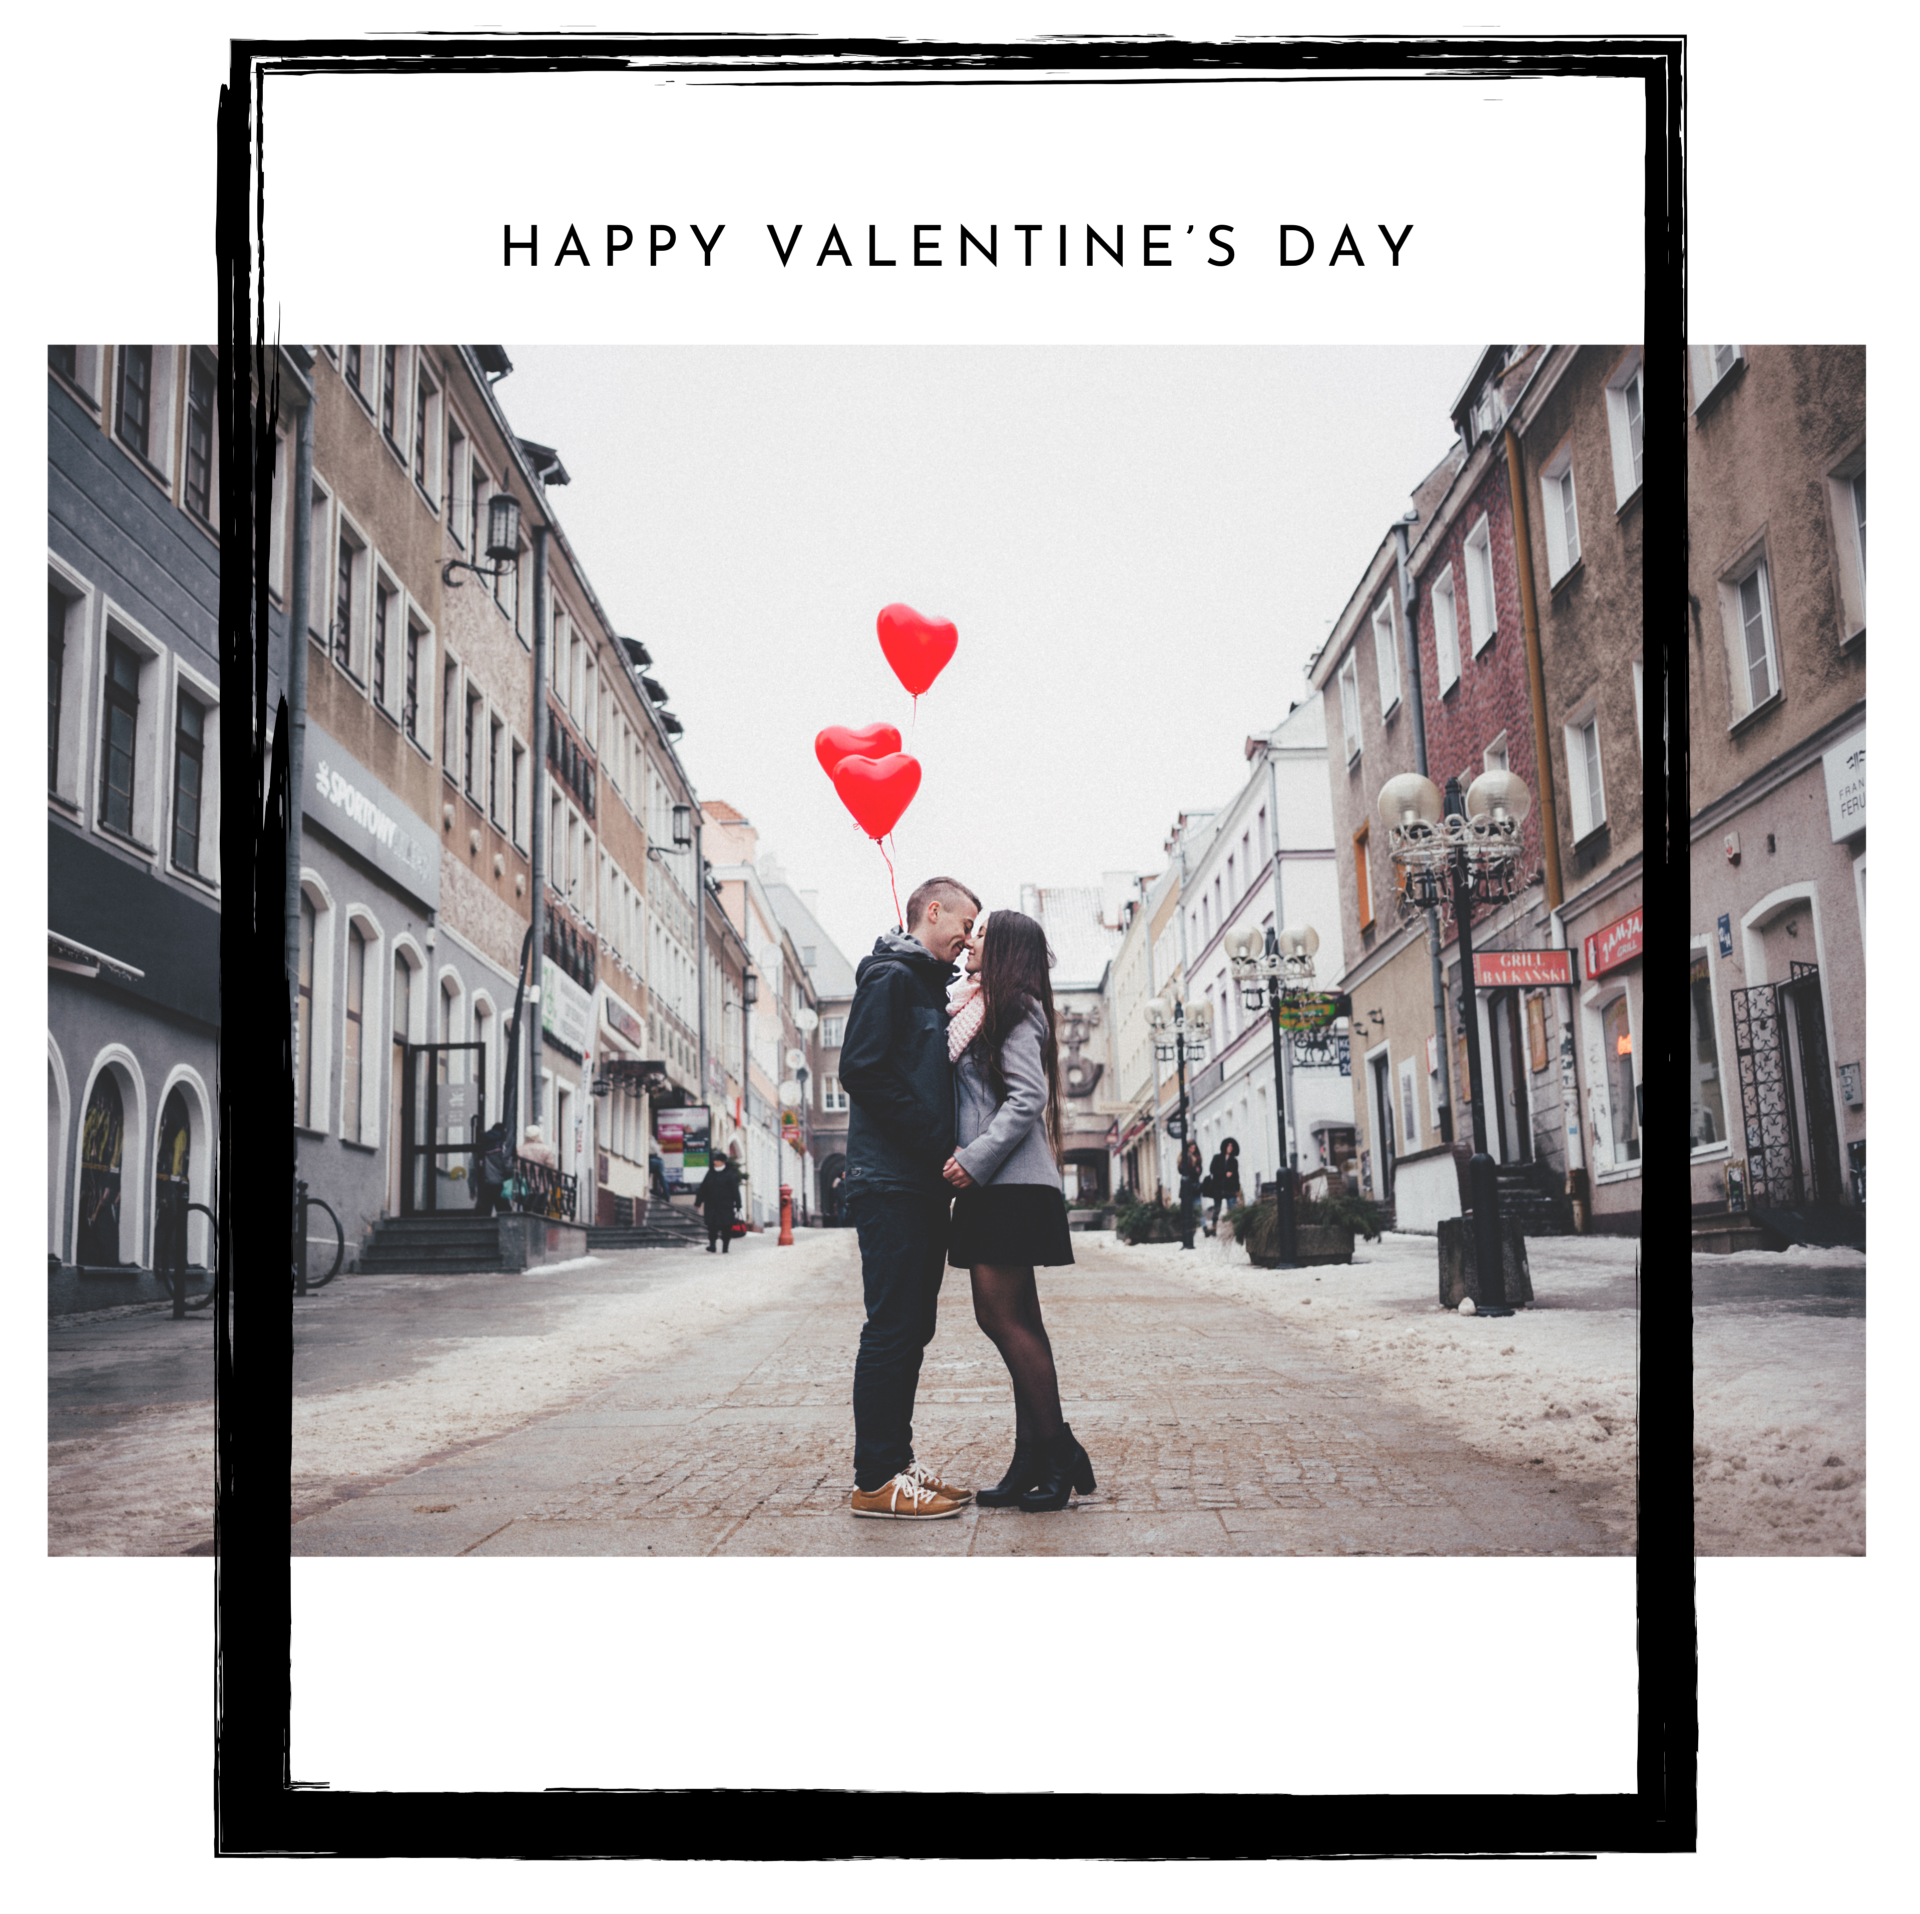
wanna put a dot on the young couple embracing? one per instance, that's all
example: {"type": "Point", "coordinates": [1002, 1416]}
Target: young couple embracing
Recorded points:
{"type": "Point", "coordinates": [952, 1072]}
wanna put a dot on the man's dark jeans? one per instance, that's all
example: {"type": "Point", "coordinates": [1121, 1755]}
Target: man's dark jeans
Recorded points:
{"type": "Point", "coordinates": [903, 1254]}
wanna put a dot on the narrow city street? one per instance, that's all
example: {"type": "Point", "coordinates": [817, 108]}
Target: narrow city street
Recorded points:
{"type": "Point", "coordinates": [669, 1402]}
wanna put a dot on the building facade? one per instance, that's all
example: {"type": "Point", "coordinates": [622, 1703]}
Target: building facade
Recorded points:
{"type": "Point", "coordinates": [1082, 940]}
{"type": "Point", "coordinates": [830, 984]}
{"type": "Point", "coordinates": [1777, 622]}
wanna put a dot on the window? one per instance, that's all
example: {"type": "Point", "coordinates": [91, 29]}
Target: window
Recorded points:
{"type": "Point", "coordinates": [389, 391]}
{"type": "Point", "coordinates": [478, 488]}
{"type": "Point", "coordinates": [1233, 888]}
{"type": "Point", "coordinates": [1362, 876]}
{"type": "Point", "coordinates": [1708, 1126]}
{"type": "Point", "coordinates": [200, 437]}
{"type": "Point", "coordinates": [189, 745]}
{"type": "Point", "coordinates": [383, 597]}
{"type": "Point", "coordinates": [1559, 515]}
{"type": "Point", "coordinates": [518, 814]}
{"type": "Point", "coordinates": [1583, 774]}
{"type": "Point", "coordinates": [1446, 630]}
{"type": "Point", "coordinates": [57, 603]}
{"type": "Point", "coordinates": [833, 1032]}
{"type": "Point", "coordinates": [496, 767]}
{"type": "Point", "coordinates": [1753, 657]}
{"type": "Point", "coordinates": [304, 1088]}
{"type": "Point", "coordinates": [476, 739]}
{"type": "Point", "coordinates": [1711, 366]}
{"type": "Point", "coordinates": [459, 482]}
{"type": "Point", "coordinates": [832, 1097]}
{"type": "Point", "coordinates": [1626, 426]}
{"type": "Point", "coordinates": [1263, 841]}
{"type": "Point", "coordinates": [410, 705]}
{"type": "Point", "coordinates": [1639, 714]}
{"type": "Point", "coordinates": [352, 367]}
{"type": "Point", "coordinates": [1350, 705]}
{"type": "Point", "coordinates": [1409, 1108]}
{"type": "Point", "coordinates": [349, 582]}
{"type": "Point", "coordinates": [1847, 497]}
{"type": "Point", "coordinates": [1616, 1043]}
{"type": "Point", "coordinates": [426, 425]}
{"type": "Point", "coordinates": [1385, 657]}
{"type": "Point", "coordinates": [133, 402]}
{"type": "Point", "coordinates": [318, 546]}
{"type": "Point", "coordinates": [350, 1099]}
{"type": "Point", "coordinates": [1481, 614]}
{"type": "Point", "coordinates": [119, 726]}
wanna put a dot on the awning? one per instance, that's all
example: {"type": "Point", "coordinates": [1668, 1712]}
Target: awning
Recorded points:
{"type": "Point", "coordinates": [65, 953]}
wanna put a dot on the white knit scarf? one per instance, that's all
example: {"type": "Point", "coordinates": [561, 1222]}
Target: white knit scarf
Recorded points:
{"type": "Point", "coordinates": [966, 1008]}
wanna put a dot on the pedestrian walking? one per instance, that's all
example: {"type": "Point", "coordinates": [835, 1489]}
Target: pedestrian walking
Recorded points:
{"type": "Point", "coordinates": [899, 1084]}
{"type": "Point", "coordinates": [1190, 1180]}
{"type": "Point", "coordinates": [719, 1200]}
{"type": "Point", "coordinates": [1010, 1216]}
{"type": "Point", "coordinates": [492, 1166]}
{"type": "Point", "coordinates": [1223, 1181]}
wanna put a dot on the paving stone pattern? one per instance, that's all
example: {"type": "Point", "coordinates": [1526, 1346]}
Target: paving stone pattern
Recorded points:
{"type": "Point", "coordinates": [1211, 1430]}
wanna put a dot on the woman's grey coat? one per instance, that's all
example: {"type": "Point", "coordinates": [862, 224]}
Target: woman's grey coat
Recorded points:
{"type": "Point", "coordinates": [1006, 1142]}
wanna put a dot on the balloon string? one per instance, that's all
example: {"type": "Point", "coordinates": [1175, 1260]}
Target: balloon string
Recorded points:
{"type": "Point", "coordinates": [891, 885]}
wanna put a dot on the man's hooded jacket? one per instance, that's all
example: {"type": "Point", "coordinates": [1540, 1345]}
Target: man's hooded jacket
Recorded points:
{"type": "Point", "coordinates": [894, 1068]}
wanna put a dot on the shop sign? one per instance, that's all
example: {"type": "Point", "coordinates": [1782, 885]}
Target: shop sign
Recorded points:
{"type": "Point", "coordinates": [622, 1022]}
{"type": "Point", "coordinates": [790, 1127]}
{"type": "Point", "coordinates": [1846, 766]}
{"type": "Point", "coordinates": [347, 801]}
{"type": "Point", "coordinates": [1500, 969]}
{"type": "Point", "coordinates": [566, 1011]}
{"type": "Point", "coordinates": [1617, 944]}
{"type": "Point", "coordinates": [683, 1134]}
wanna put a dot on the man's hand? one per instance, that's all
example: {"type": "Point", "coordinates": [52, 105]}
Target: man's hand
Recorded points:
{"type": "Point", "coordinates": [955, 1175]}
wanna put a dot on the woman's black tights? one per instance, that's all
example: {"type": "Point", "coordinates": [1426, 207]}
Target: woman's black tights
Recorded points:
{"type": "Point", "coordinates": [1006, 1305]}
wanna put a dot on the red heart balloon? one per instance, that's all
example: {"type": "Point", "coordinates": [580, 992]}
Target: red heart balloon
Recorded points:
{"type": "Point", "coordinates": [877, 790]}
{"type": "Point", "coordinates": [839, 741]}
{"type": "Point", "coordinates": [917, 648]}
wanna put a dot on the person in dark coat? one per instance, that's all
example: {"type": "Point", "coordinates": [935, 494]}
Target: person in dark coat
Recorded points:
{"type": "Point", "coordinates": [490, 1171]}
{"type": "Point", "coordinates": [719, 1200]}
{"type": "Point", "coordinates": [1189, 1192]}
{"type": "Point", "coordinates": [1224, 1174]}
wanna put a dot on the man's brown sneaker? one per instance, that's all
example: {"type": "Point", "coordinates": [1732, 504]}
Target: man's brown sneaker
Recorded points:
{"type": "Point", "coordinates": [903, 1499]}
{"type": "Point", "coordinates": [928, 1480]}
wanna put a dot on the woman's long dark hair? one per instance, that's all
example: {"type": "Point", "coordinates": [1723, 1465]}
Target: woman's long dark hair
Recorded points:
{"type": "Point", "coordinates": [1013, 974]}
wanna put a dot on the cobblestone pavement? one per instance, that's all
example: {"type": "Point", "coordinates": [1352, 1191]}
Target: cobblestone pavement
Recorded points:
{"type": "Point", "coordinates": [1213, 1431]}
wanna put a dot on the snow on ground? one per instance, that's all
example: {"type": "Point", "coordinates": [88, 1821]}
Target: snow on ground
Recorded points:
{"type": "Point", "coordinates": [1779, 1420]}
{"type": "Point", "coordinates": [1552, 1387]}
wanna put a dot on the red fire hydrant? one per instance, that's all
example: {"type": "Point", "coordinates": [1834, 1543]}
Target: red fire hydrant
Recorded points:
{"type": "Point", "coordinates": [786, 1215]}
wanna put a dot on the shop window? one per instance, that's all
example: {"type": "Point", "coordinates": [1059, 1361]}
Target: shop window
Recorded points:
{"type": "Point", "coordinates": [1616, 1047]}
{"type": "Point", "coordinates": [309, 937]}
{"type": "Point", "coordinates": [352, 1122]}
{"type": "Point", "coordinates": [172, 1182]}
{"type": "Point", "coordinates": [102, 1144]}
{"type": "Point", "coordinates": [1708, 1126]}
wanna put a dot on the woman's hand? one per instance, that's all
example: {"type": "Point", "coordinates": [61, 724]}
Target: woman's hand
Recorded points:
{"type": "Point", "coordinates": [955, 1175]}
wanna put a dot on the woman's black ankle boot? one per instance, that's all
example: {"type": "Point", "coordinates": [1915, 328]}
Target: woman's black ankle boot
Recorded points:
{"type": "Point", "coordinates": [1022, 1473]}
{"type": "Point", "coordinates": [1064, 1469]}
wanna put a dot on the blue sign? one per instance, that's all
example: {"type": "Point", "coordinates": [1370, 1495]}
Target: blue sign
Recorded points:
{"type": "Point", "coordinates": [1726, 935]}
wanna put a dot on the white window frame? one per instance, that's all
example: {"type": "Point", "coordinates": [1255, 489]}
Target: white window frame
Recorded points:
{"type": "Point", "coordinates": [78, 702]}
{"type": "Point", "coordinates": [1626, 378]}
{"type": "Point", "coordinates": [1559, 503]}
{"type": "Point", "coordinates": [376, 1026]}
{"type": "Point", "coordinates": [457, 461]}
{"type": "Point", "coordinates": [1446, 628]}
{"type": "Point", "coordinates": [414, 613]}
{"type": "Point", "coordinates": [367, 391]}
{"type": "Point", "coordinates": [1582, 776]}
{"type": "Point", "coordinates": [1849, 543]}
{"type": "Point", "coordinates": [1706, 380]}
{"type": "Point", "coordinates": [89, 362]}
{"type": "Point", "coordinates": [1494, 757]}
{"type": "Point", "coordinates": [1596, 1001]}
{"type": "Point", "coordinates": [211, 523]}
{"type": "Point", "coordinates": [453, 704]}
{"type": "Point", "coordinates": [1708, 1152]}
{"type": "Point", "coordinates": [833, 1031]}
{"type": "Point", "coordinates": [320, 518]}
{"type": "Point", "coordinates": [152, 757]}
{"type": "Point", "coordinates": [1733, 620]}
{"type": "Point", "coordinates": [1386, 658]}
{"type": "Point", "coordinates": [1408, 1109]}
{"type": "Point", "coordinates": [1483, 613]}
{"type": "Point", "coordinates": [383, 574]}
{"type": "Point", "coordinates": [360, 633]}
{"type": "Point", "coordinates": [425, 376]}
{"type": "Point", "coordinates": [163, 417]}
{"type": "Point", "coordinates": [206, 694]}
{"type": "Point", "coordinates": [1349, 678]}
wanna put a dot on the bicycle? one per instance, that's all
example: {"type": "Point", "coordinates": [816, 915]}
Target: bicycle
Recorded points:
{"type": "Point", "coordinates": [304, 1203]}
{"type": "Point", "coordinates": [175, 1279]}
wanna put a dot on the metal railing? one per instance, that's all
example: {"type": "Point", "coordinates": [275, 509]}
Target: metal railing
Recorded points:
{"type": "Point", "coordinates": [171, 1265]}
{"type": "Point", "coordinates": [303, 1204]}
{"type": "Point", "coordinates": [538, 1189]}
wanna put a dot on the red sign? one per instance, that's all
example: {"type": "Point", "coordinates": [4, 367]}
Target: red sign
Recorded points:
{"type": "Point", "coordinates": [1500, 969]}
{"type": "Point", "coordinates": [1617, 944]}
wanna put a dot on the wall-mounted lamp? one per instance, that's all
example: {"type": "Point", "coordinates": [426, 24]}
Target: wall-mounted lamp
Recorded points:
{"type": "Point", "coordinates": [503, 541]}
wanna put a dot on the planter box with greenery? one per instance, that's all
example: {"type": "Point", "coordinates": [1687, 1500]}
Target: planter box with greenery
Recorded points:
{"type": "Point", "coordinates": [1324, 1231]}
{"type": "Point", "coordinates": [1154, 1222]}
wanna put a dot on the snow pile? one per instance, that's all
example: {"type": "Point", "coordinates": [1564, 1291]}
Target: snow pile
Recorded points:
{"type": "Point", "coordinates": [1779, 1430]}
{"type": "Point", "coordinates": [1552, 1387]}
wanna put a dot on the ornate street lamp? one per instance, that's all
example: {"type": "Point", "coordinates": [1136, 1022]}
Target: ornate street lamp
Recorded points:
{"type": "Point", "coordinates": [1267, 969]}
{"type": "Point", "coordinates": [1179, 1031]}
{"type": "Point", "coordinates": [1464, 853]}
{"type": "Point", "coordinates": [503, 541]}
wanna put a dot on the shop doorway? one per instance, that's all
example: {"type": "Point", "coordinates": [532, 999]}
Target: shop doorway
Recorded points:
{"type": "Point", "coordinates": [170, 1183]}
{"type": "Point", "coordinates": [1383, 1123]}
{"type": "Point", "coordinates": [1513, 1128]}
{"type": "Point", "coordinates": [1816, 1136]}
{"type": "Point", "coordinates": [442, 1115]}
{"type": "Point", "coordinates": [102, 1141]}
{"type": "Point", "coordinates": [1786, 1092]}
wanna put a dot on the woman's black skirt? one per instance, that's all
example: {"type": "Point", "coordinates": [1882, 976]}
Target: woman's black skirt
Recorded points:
{"type": "Point", "coordinates": [1011, 1223]}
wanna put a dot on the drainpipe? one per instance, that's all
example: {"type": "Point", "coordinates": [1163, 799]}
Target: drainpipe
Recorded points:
{"type": "Point", "coordinates": [1549, 826]}
{"type": "Point", "coordinates": [1292, 1111]}
{"type": "Point", "coordinates": [536, 1102]}
{"type": "Point", "coordinates": [299, 604]}
{"type": "Point", "coordinates": [1409, 609]}
{"type": "Point", "coordinates": [700, 953]}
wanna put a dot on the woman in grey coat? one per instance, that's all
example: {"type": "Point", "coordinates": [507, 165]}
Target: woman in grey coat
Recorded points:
{"type": "Point", "coordinates": [1011, 1212]}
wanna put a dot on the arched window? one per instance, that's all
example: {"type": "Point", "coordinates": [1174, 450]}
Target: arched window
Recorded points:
{"type": "Point", "coordinates": [304, 1091]}
{"type": "Point", "coordinates": [353, 1123]}
{"type": "Point", "coordinates": [171, 1192]}
{"type": "Point", "coordinates": [101, 1142]}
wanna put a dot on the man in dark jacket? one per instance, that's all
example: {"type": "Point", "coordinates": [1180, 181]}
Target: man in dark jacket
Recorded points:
{"type": "Point", "coordinates": [719, 1197]}
{"type": "Point", "coordinates": [899, 1085]}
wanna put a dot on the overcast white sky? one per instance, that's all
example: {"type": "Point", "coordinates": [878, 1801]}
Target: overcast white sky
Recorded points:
{"type": "Point", "coordinates": [1139, 545]}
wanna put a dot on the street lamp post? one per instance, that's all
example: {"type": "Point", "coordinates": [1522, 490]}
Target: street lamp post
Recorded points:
{"type": "Point", "coordinates": [1179, 1032]}
{"type": "Point", "coordinates": [1468, 852]}
{"type": "Point", "coordinates": [1266, 969]}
